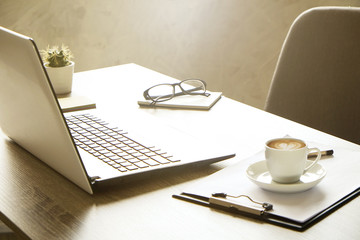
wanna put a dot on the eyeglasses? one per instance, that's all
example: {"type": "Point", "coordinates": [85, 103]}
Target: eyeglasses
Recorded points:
{"type": "Point", "coordinates": [165, 92]}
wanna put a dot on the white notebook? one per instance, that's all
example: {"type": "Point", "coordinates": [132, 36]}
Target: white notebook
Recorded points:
{"type": "Point", "coordinates": [186, 102]}
{"type": "Point", "coordinates": [75, 103]}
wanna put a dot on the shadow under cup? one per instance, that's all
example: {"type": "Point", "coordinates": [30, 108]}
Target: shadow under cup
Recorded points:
{"type": "Point", "coordinates": [286, 159]}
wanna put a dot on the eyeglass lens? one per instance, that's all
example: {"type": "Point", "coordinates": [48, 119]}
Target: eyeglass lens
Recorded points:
{"type": "Point", "coordinates": [193, 86]}
{"type": "Point", "coordinates": [161, 92]}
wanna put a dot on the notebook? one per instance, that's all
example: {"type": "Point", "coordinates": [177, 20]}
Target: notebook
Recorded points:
{"type": "Point", "coordinates": [197, 102]}
{"type": "Point", "coordinates": [31, 116]}
{"type": "Point", "coordinates": [75, 103]}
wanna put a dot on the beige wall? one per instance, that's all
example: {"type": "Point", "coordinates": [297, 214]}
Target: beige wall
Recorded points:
{"type": "Point", "coordinates": [232, 44]}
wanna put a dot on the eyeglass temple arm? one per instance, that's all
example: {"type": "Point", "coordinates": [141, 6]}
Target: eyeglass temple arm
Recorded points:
{"type": "Point", "coordinates": [195, 89]}
{"type": "Point", "coordinates": [146, 96]}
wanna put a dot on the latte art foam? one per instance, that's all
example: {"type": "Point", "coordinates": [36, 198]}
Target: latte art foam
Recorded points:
{"type": "Point", "coordinates": [286, 144]}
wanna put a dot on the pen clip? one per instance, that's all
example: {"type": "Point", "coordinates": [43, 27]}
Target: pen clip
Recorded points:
{"type": "Point", "coordinates": [222, 200]}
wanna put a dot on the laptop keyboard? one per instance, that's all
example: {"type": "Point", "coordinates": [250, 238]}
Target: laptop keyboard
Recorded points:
{"type": "Point", "coordinates": [114, 146]}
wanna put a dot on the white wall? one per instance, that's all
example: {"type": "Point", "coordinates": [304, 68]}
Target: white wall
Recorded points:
{"type": "Point", "coordinates": [232, 44]}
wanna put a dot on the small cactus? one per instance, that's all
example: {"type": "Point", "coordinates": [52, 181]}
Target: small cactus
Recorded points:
{"type": "Point", "coordinates": [57, 56]}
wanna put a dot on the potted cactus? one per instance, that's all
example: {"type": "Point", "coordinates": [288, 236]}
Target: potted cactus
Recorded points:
{"type": "Point", "coordinates": [60, 68]}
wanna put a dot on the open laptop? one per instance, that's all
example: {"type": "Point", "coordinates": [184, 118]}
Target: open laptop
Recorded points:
{"type": "Point", "coordinates": [80, 145]}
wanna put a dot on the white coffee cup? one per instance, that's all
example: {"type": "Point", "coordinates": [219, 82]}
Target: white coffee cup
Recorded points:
{"type": "Point", "coordinates": [286, 159]}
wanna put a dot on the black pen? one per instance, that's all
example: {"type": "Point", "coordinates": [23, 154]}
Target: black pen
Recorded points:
{"type": "Point", "coordinates": [323, 153]}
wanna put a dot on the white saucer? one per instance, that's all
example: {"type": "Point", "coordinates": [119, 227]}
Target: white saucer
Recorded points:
{"type": "Point", "coordinates": [258, 174]}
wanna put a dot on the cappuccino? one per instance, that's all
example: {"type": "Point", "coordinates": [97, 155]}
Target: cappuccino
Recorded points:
{"type": "Point", "coordinates": [286, 144]}
{"type": "Point", "coordinates": [286, 159]}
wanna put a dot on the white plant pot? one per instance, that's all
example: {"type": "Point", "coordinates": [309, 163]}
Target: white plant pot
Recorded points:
{"type": "Point", "coordinates": [61, 78]}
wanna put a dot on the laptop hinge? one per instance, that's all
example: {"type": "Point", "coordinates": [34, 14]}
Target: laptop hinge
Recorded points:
{"type": "Point", "coordinates": [93, 179]}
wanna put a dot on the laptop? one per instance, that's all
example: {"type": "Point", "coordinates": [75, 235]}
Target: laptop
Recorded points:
{"type": "Point", "coordinates": [82, 146]}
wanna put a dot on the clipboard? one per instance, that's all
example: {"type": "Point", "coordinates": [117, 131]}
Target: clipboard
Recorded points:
{"type": "Point", "coordinates": [323, 199]}
{"type": "Point", "coordinates": [267, 216]}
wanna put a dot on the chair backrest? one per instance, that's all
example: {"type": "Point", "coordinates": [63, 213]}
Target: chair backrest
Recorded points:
{"type": "Point", "coordinates": [317, 78]}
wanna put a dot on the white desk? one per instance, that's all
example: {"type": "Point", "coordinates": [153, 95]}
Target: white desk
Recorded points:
{"type": "Point", "coordinates": [38, 203]}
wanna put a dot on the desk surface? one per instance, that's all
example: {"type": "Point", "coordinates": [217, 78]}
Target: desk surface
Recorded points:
{"type": "Point", "coordinates": [38, 203]}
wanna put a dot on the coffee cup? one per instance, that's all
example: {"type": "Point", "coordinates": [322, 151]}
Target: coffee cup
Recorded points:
{"type": "Point", "coordinates": [286, 159]}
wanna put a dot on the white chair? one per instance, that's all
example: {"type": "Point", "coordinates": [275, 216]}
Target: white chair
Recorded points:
{"type": "Point", "coordinates": [317, 77]}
